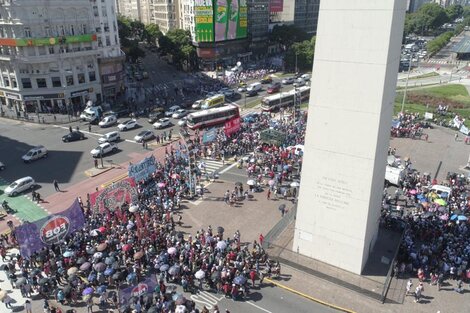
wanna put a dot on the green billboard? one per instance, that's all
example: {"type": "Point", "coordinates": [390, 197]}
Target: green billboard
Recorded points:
{"type": "Point", "coordinates": [230, 19]}
{"type": "Point", "coordinates": [204, 20]}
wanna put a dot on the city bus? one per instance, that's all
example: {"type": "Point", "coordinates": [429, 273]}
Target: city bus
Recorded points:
{"type": "Point", "coordinates": [213, 116]}
{"type": "Point", "coordinates": [285, 99]}
{"type": "Point", "coordinates": [213, 102]}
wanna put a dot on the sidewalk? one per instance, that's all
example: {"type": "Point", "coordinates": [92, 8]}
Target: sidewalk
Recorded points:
{"type": "Point", "coordinates": [41, 118]}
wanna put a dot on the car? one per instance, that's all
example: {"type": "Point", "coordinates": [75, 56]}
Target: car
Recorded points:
{"type": "Point", "coordinates": [182, 122]}
{"type": "Point", "coordinates": [20, 185]}
{"type": "Point", "coordinates": [197, 104]}
{"type": "Point", "coordinates": [274, 87]}
{"type": "Point", "coordinates": [299, 82]}
{"type": "Point", "coordinates": [126, 125]}
{"type": "Point", "coordinates": [144, 136]}
{"type": "Point", "coordinates": [108, 121]}
{"type": "Point", "coordinates": [180, 113]}
{"type": "Point", "coordinates": [305, 77]}
{"type": "Point", "coordinates": [267, 79]}
{"type": "Point", "coordinates": [229, 93]}
{"type": "Point", "coordinates": [172, 110]}
{"type": "Point", "coordinates": [35, 153]}
{"type": "Point", "coordinates": [241, 89]}
{"type": "Point", "coordinates": [288, 80]}
{"type": "Point", "coordinates": [110, 137]}
{"type": "Point", "coordinates": [252, 93]}
{"type": "Point", "coordinates": [210, 94]}
{"type": "Point", "coordinates": [155, 115]}
{"type": "Point", "coordinates": [2, 166]}
{"type": "Point", "coordinates": [103, 149]}
{"type": "Point", "coordinates": [162, 123]}
{"type": "Point", "coordinates": [73, 136]}
{"type": "Point", "coordinates": [251, 117]}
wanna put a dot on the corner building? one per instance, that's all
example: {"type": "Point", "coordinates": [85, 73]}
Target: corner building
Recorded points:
{"type": "Point", "coordinates": [56, 55]}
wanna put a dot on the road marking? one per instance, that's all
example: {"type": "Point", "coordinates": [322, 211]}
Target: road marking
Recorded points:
{"type": "Point", "coordinates": [308, 297]}
{"type": "Point", "coordinates": [227, 168]}
{"type": "Point", "coordinates": [258, 307]}
{"type": "Point", "coordinates": [114, 180]}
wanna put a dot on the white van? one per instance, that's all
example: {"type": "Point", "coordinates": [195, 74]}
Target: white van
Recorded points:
{"type": "Point", "coordinates": [92, 114]}
{"type": "Point", "coordinates": [393, 175]}
{"type": "Point", "coordinates": [110, 137]}
{"type": "Point", "coordinates": [20, 185]}
{"type": "Point", "coordinates": [254, 87]}
{"type": "Point", "coordinates": [443, 191]}
{"type": "Point", "coordinates": [172, 110]}
{"type": "Point", "coordinates": [35, 154]}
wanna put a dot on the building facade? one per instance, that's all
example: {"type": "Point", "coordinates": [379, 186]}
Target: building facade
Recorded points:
{"type": "Point", "coordinates": [186, 18]}
{"type": "Point", "coordinates": [164, 13]}
{"type": "Point", "coordinates": [258, 26]}
{"type": "Point", "coordinates": [306, 15]}
{"type": "Point", "coordinates": [57, 55]}
{"type": "Point", "coordinates": [130, 8]}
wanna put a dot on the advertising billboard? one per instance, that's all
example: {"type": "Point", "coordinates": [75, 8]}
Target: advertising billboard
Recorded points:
{"type": "Point", "coordinates": [204, 20]}
{"type": "Point", "coordinates": [276, 6]}
{"type": "Point", "coordinates": [231, 19]}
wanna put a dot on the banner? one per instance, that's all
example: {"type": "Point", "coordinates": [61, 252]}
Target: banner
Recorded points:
{"type": "Point", "coordinates": [50, 230]}
{"type": "Point", "coordinates": [143, 169]}
{"type": "Point", "coordinates": [209, 136]}
{"type": "Point", "coordinates": [464, 130]}
{"type": "Point", "coordinates": [232, 126]}
{"type": "Point", "coordinates": [114, 196]}
{"type": "Point", "coordinates": [276, 6]}
{"type": "Point", "coordinates": [231, 19]}
{"type": "Point", "coordinates": [204, 20]}
{"type": "Point", "coordinates": [131, 294]}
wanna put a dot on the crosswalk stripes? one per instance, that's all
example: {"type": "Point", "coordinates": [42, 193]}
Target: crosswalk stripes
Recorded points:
{"type": "Point", "coordinates": [210, 165]}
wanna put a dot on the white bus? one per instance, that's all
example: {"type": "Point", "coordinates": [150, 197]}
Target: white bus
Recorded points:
{"type": "Point", "coordinates": [211, 117]}
{"type": "Point", "coordinates": [285, 99]}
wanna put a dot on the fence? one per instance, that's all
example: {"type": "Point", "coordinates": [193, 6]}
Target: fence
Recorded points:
{"type": "Point", "coordinates": [274, 233]}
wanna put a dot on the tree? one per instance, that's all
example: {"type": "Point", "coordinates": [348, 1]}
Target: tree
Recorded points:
{"type": "Point", "coordinates": [152, 33]}
{"type": "Point", "coordinates": [432, 16]}
{"type": "Point", "coordinates": [177, 43]}
{"type": "Point", "coordinates": [454, 11]}
{"type": "Point", "coordinates": [286, 35]}
{"type": "Point", "coordinates": [300, 54]}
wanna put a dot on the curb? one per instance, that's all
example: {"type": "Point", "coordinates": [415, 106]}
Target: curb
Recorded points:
{"type": "Point", "coordinates": [309, 297]}
{"type": "Point", "coordinates": [114, 180]}
{"type": "Point", "coordinates": [90, 173]}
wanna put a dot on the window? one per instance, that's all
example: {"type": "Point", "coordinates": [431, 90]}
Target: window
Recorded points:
{"type": "Point", "coordinates": [81, 78]}
{"type": "Point", "coordinates": [14, 83]}
{"type": "Point", "coordinates": [95, 11]}
{"type": "Point", "coordinates": [47, 31]}
{"type": "Point", "coordinates": [6, 81]}
{"type": "Point", "coordinates": [56, 82]}
{"type": "Point", "coordinates": [51, 50]}
{"type": "Point", "coordinates": [72, 30]}
{"type": "Point", "coordinates": [84, 29]}
{"type": "Point", "coordinates": [27, 32]}
{"type": "Point", "coordinates": [91, 76]}
{"type": "Point", "coordinates": [61, 30]}
{"type": "Point", "coordinates": [108, 41]}
{"type": "Point", "coordinates": [104, 12]}
{"type": "Point", "coordinates": [41, 82]}
{"type": "Point", "coordinates": [69, 79]}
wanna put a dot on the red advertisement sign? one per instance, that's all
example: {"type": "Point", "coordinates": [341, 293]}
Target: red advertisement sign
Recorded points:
{"type": "Point", "coordinates": [114, 196]}
{"type": "Point", "coordinates": [276, 6]}
{"type": "Point", "coordinates": [232, 126]}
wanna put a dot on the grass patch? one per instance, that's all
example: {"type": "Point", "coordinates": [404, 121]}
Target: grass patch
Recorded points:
{"type": "Point", "coordinates": [447, 91]}
{"type": "Point", "coordinates": [427, 75]}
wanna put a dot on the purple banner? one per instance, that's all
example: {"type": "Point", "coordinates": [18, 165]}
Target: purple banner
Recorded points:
{"type": "Point", "coordinates": [147, 286]}
{"type": "Point", "coordinates": [50, 230]}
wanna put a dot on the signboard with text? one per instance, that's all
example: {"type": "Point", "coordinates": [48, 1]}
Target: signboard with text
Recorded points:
{"type": "Point", "coordinates": [143, 169]}
{"type": "Point", "coordinates": [276, 6]}
{"type": "Point", "coordinates": [231, 19]}
{"type": "Point", "coordinates": [114, 196]}
{"type": "Point", "coordinates": [204, 20]}
{"type": "Point", "coordinates": [232, 126]}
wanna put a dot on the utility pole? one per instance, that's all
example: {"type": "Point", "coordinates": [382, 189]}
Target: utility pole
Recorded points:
{"type": "Point", "coordinates": [406, 85]}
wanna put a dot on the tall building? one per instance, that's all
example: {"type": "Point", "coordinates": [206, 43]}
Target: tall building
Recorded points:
{"type": "Point", "coordinates": [258, 25]}
{"type": "Point", "coordinates": [186, 18]}
{"type": "Point", "coordinates": [57, 55]}
{"type": "Point", "coordinates": [164, 13]}
{"type": "Point", "coordinates": [342, 177]}
{"type": "Point", "coordinates": [306, 15]}
{"type": "Point", "coordinates": [130, 8]}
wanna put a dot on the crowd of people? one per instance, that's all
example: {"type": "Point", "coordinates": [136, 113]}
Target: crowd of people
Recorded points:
{"type": "Point", "coordinates": [123, 245]}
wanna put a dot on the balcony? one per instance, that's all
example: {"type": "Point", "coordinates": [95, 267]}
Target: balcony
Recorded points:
{"type": "Point", "coordinates": [61, 56]}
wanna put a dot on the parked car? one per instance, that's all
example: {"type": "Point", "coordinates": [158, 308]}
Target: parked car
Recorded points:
{"type": "Point", "coordinates": [299, 82]}
{"type": "Point", "coordinates": [182, 122]}
{"type": "Point", "coordinates": [155, 115]}
{"type": "Point", "coordinates": [180, 113]}
{"type": "Point", "coordinates": [267, 79]}
{"type": "Point", "coordinates": [73, 136]}
{"type": "Point", "coordinates": [288, 80]}
{"type": "Point", "coordinates": [108, 121]}
{"type": "Point", "coordinates": [172, 110]}
{"type": "Point", "coordinates": [2, 166]}
{"type": "Point", "coordinates": [197, 104]}
{"type": "Point", "coordinates": [144, 136]}
{"type": "Point", "coordinates": [110, 137]}
{"type": "Point", "coordinates": [274, 87]}
{"type": "Point", "coordinates": [251, 93]}
{"type": "Point", "coordinates": [242, 88]}
{"type": "Point", "coordinates": [162, 123]}
{"type": "Point", "coordinates": [20, 185]}
{"type": "Point", "coordinates": [35, 153]}
{"type": "Point", "coordinates": [126, 125]}
{"type": "Point", "coordinates": [103, 149]}
{"type": "Point", "coordinates": [305, 77]}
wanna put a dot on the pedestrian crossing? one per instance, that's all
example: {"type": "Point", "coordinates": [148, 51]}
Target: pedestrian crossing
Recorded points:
{"type": "Point", "coordinates": [209, 165]}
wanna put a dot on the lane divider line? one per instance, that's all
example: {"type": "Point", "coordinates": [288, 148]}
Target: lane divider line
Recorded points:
{"type": "Point", "coordinates": [309, 297]}
{"type": "Point", "coordinates": [114, 180]}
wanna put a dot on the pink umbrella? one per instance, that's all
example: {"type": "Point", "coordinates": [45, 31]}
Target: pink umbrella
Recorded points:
{"type": "Point", "coordinates": [102, 229]}
{"type": "Point", "coordinates": [413, 191]}
{"type": "Point", "coordinates": [126, 247]}
{"type": "Point", "coordinates": [444, 217]}
{"type": "Point", "coordinates": [161, 185]}
{"type": "Point", "coordinates": [175, 176]}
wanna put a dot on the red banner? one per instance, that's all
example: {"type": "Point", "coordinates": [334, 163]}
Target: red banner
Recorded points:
{"type": "Point", "coordinates": [232, 126]}
{"type": "Point", "coordinates": [114, 196]}
{"type": "Point", "coordinates": [276, 6]}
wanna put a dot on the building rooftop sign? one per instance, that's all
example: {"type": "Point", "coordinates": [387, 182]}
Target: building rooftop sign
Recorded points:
{"type": "Point", "coordinates": [50, 41]}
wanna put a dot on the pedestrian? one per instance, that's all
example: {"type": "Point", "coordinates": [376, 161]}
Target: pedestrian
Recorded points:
{"type": "Point", "coordinates": [56, 185]}
{"type": "Point", "coordinates": [70, 128]}
{"type": "Point", "coordinates": [89, 304]}
{"type": "Point", "coordinates": [456, 136]}
{"type": "Point", "coordinates": [269, 194]}
{"type": "Point", "coordinates": [143, 144]}
{"type": "Point", "coordinates": [7, 300]}
{"type": "Point", "coordinates": [89, 128]}
{"type": "Point", "coordinates": [408, 287]}
{"type": "Point", "coordinates": [96, 163]}
{"type": "Point", "coordinates": [28, 307]}
{"type": "Point", "coordinates": [261, 239]}
{"type": "Point", "coordinates": [418, 292]}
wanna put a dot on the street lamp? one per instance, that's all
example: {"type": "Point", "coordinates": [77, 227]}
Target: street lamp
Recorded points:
{"type": "Point", "coordinates": [296, 54]}
{"type": "Point", "coordinates": [406, 84]}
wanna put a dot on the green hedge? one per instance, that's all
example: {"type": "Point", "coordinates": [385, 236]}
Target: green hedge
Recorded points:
{"type": "Point", "coordinates": [439, 42]}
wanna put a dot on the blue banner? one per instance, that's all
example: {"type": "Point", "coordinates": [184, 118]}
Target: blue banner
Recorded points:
{"type": "Point", "coordinates": [209, 136]}
{"type": "Point", "coordinates": [131, 294]}
{"type": "Point", "coordinates": [143, 169]}
{"type": "Point", "coordinates": [50, 230]}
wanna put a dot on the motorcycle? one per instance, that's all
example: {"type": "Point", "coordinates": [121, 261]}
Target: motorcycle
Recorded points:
{"type": "Point", "coordinates": [7, 207]}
